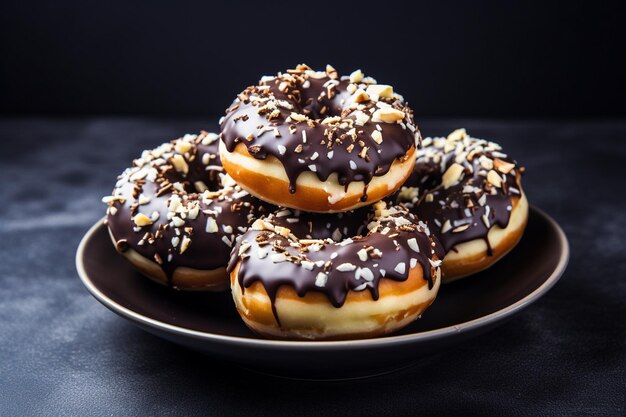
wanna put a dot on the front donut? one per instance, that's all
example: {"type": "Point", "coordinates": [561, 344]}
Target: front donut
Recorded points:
{"type": "Point", "coordinates": [377, 273]}
{"type": "Point", "coordinates": [319, 142]}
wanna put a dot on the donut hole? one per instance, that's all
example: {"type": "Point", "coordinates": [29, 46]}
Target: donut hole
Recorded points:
{"type": "Point", "coordinates": [320, 109]}
{"type": "Point", "coordinates": [215, 179]}
{"type": "Point", "coordinates": [200, 179]}
{"type": "Point", "coordinates": [313, 100]}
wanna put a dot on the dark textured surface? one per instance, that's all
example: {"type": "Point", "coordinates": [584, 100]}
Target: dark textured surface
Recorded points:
{"type": "Point", "coordinates": [62, 353]}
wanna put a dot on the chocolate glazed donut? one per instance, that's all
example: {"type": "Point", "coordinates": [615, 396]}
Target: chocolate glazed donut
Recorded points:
{"type": "Point", "coordinates": [319, 142]}
{"type": "Point", "coordinates": [175, 216]}
{"type": "Point", "coordinates": [318, 276]}
{"type": "Point", "coordinates": [469, 192]}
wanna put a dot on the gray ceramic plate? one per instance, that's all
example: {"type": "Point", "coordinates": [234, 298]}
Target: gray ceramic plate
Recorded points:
{"type": "Point", "coordinates": [209, 323]}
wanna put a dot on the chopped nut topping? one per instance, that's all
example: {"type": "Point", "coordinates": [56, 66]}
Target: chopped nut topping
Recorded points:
{"type": "Point", "coordinates": [244, 247]}
{"type": "Point", "coordinates": [485, 162]}
{"type": "Point", "coordinates": [446, 226]}
{"type": "Point", "coordinates": [360, 96]}
{"type": "Point", "coordinates": [278, 257]}
{"type": "Point", "coordinates": [321, 279]}
{"type": "Point", "coordinates": [298, 117]}
{"type": "Point", "coordinates": [365, 273]}
{"type": "Point", "coordinates": [227, 241]}
{"type": "Point", "coordinates": [184, 245]}
{"type": "Point", "coordinates": [200, 186]}
{"type": "Point", "coordinates": [503, 166]}
{"type": "Point", "coordinates": [485, 220]}
{"type": "Point", "coordinates": [452, 175]}
{"type": "Point", "coordinates": [111, 198]}
{"type": "Point", "coordinates": [356, 76]}
{"type": "Point", "coordinates": [180, 164]}
{"type": "Point", "coordinates": [361, 118]}
{"type": "Point", "coordinates": [258, 224]}
{"type": "Point", "coordinates": [283, 231]}
{"type": "Point", "coordinates": [211, 225]}
{"type": "Point", "coordinates": [331, 72]}
{"type": "Point", "coordinates": [143, 200]}
{"type": "Point", "coordinates": [141, 220]}
{"type": "Point", "coordinates": [177, 221]}
{"type": "Point", "coordinates": [331, 120]}
{"type": "Point", "coordinates": [377, 137]}
{"type": "Point", "coordinates": [400, 268]}
{"type": "Point", "coordinates": [209, 138]}
{"type": "Point", "coordinates": [182, 147]}
{"type": "Point", "coordinates": [494, 179]}
{"type": "Point", "coordinates": [380, 90]}
{"type": "Point", "coordinates": [458, 134]}
{"type": "Point", "coordinates": [412, 242]}
{"type": "Point", "coordinates": [388, 115]}
{"type": "Point", "coordinates": [346, 267]}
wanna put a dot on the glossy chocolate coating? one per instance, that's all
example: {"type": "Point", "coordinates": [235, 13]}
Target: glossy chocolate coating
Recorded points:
{"type": "Point", "coordinates": [196, 211]}
{"type": "Point", "coordinates": [308, 121]}
{"type": "Point", "coordinates": [394, 242]}
{"type": "Point", "coordinates": [335, 226]}
{"type": "Point", "coordinates": [467, 209]}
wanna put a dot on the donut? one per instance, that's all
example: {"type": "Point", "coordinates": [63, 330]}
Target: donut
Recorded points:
{"type": "Point", "coordinates": [469, 192]}
{"type": "Point", "coordinates": [318, 142]}
{"type": "Point", "coordinates": [175, 216]}
{"type": "Point", "coordinates": [297, 275]}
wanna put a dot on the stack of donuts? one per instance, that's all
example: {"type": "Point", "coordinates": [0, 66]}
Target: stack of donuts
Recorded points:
{"type": "Point", "coordinates": [320, 207]}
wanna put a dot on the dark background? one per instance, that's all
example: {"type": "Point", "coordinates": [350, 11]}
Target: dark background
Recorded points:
{"type": "Point", "coordinates": [476, 58]}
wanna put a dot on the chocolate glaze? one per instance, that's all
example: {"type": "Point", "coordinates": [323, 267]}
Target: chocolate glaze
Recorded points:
{"type": "Point", "coordinates": [195, 213]}
{"type": "Point", "coordinates": [335, 226]}
{"type": "Point", "coordinates": [473, 200]}
{"type": "Point", "coordinates": [276, 257]}
{"type": "Point", "coordinates": [334, 135]}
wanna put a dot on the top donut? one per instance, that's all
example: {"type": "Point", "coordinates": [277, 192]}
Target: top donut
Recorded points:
{"type": "Point", "coordinates": [318, 141]}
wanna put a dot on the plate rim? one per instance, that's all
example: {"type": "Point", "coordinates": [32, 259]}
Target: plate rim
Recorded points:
{"type": "Point", "coordinates": [428, 335]}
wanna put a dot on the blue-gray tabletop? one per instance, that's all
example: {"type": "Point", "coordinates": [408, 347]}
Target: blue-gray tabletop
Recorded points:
{"type": "Point", "coordinates": [62, 353]}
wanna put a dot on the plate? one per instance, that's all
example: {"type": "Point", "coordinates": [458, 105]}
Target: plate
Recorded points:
{"type": "Point", "coordinates": [208, 322]}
